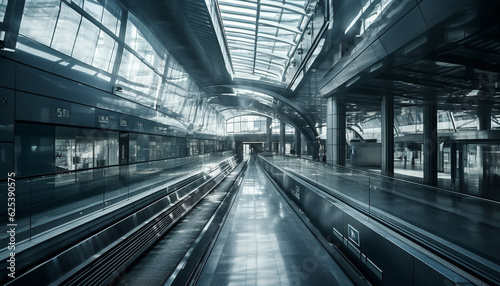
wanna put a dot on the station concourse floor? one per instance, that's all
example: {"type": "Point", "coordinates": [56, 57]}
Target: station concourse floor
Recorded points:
{"type": "Point", "coordinates": [470, 226]}
{"type": "Point", "coordinates": [264, 242]}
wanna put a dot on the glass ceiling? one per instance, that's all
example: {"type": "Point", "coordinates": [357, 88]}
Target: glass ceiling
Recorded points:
{"type": "Point", "coordinates": [262, 35]}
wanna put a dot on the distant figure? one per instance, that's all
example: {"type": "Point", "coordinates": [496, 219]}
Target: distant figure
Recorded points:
{"type": "Point", "coordinates": [292, 152]}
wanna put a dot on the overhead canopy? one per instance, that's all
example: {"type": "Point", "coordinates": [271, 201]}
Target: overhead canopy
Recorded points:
{"type": "Point", "coordinates": [262, 35]}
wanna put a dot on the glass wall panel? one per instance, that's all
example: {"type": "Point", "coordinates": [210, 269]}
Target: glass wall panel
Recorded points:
{"type": "Point", "coordinates": [65, 152]}
{"type": "Point", "coordinates": [66, 30]}
{"type": "Point", "coordinates": [113, 148]}
{"type": "Point", "coordinates": [193, 147]}
{"type": "Point", "coordinates": [141, 40]}
{"type": "Point", "coordinates": [39, 19]}
{"type": "Point", "coordinates": [3, 7]}
{"type": "Point", "coordinates": [86, 42]}
{"type": "Point", "coordinates": [101, 151]}
{"type": "Point", "coordinates": [230, 127]}
{"type": "Point", "coordinates": [84, 153]}
{"type": "Point", "coordinates": [105, 52]}
{"type": "Point", "coordinates": [94, 8]}
{"type": "Point", "coordinates": [140, 82]}
{"type": "Point", "coordinates": [142, 68]}
{"type": "Point", "coordinates": [250, 124]}
{"type": "Point", "coordinates": [111, 16]}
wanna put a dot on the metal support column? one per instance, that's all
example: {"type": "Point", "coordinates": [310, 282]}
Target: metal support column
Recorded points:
{"type": "Point", "coordinates": [453, 165]}
{"type": "Point", "coordinates": [484, 151]}
{"type": "Point", "coordinates": [282, 138]}
{"type": "Point", "coordinates": [298, 142]}
{"type": "Point", "coordinates": [388, 135]}
{"type": "Point", "coordinates": [462, 164]}
{"type": "Point", "coordinates": [430, 148]}
{"type": "Point", "coordinates": [269, 134]}
{"type": "Point", "coordinates": [335, 132]}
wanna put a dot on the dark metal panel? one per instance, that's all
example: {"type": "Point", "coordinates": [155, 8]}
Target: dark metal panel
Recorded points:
{"type": "Point", "coordinates": [7, 110]}
{"type": "Point", "coordinates": [436, 11]}
{"type": "Point", "coordinates": [408, 28]}
{"type": "Point", "coordinates": [379, 49]}
{"type": "Point", "coordinates": [6, 159]}
{"type": "Point", "coordinates": [107, 119]}
{"type": "Point", "coordinates": [427, 274]}
{"type": "Point", "coordinates": [367, 58]}
{"type": "Point", "coordinates": [385, 254]}
{"type": "Point", "coordinates": [35, 108]}
{"type": "Point", "coordinates": [8, 75]}
{"type": "Point", "coordinates": [34, 149]}
{"type": "Point", "coordinates": [347, 74]}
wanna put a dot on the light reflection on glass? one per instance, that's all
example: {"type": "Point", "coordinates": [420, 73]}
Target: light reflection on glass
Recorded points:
{"type": "Point", "coordinates": [39, 20]}
{"type": "Point", "coordinates": [261, 35]}
{"type": "Point", "coordinates": [86, 41]}
{"type": "Point", "coordinates": [141, 74]}
{"type": "Point", "coordinates": [66, 30]}
{"type": "Point", "coordinates": [3, 7]}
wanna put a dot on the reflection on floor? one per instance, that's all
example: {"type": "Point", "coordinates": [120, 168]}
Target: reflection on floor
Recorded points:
{"type": "Point", "coordinates": [263, 242]}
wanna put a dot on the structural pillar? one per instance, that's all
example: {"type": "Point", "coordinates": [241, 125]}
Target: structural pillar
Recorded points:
{"type": "Point", "coordinates": [282, 138]}
{"type": "Point", "coordinates": [298, 142]}
{"type": "Point", "coordinates": [335, 132]}
{"type": "Point", "coordinates": [453, 164]}
{"type": "Point", "coordinates": [269, 134]}
{"type": "Point", "coordinates": [462, 164]}
{"type": "Point", "coordinates": [484, 152]}
{"type": "Point", "coordinates": [388, 135]}
{"type": "Point", "coordinates": [430, 147]}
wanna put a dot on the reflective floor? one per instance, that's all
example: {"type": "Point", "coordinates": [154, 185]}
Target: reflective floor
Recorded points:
{"type": "Point", "coordinates": [263, 242]}
{"type": "Point", "coordinates": [468, 225]}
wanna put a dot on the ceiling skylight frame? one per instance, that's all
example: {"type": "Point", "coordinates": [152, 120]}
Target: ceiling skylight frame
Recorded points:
{"type": "Point", "coordinates": [271, 48]}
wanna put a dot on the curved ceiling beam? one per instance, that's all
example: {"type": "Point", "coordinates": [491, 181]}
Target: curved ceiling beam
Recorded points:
{"type": "Point", "coordinates": [310, 132]}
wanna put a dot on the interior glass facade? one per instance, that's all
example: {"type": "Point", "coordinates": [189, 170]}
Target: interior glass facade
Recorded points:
{"type": "Point", "coordinates": [254, 124]}
{"type": "Point", "coordinates": [91, 32]}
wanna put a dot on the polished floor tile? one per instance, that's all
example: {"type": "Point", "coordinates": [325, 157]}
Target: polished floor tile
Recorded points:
{"type": "Point", "coordinates": [263, 242]}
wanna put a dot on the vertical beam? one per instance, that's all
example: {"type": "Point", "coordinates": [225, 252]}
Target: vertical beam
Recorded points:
{"type": "Point", "coordinates": [462, 163]}
{"type": "Point", "coordinates": [269, 134]}
{"type": "Point", "coordinates": [484, 118]}
{"type": "Point", "coordinates": [282, 138]}
{"type": "Point", "coordinates": [331, 130]}
{"type": "Point", "coordinates": [430, 143]}
{"type": "Point", "coordinates": [388, 135]}
{"type": "Point", "coordinates": [12, 21]}
{"type": "Point", "coordinates": [453, 164]}
{"type": "Point", "coordinates": [298, 142]}
{"type": "Point", "coordinates": [335, 132]}
{"type": "Point", "coordinates": [483, 152]}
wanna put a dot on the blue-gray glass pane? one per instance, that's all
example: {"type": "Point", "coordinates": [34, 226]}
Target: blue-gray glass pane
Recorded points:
{"type": "Point", "coordinates": [111, 16]}
{"type": "Point", "coordinates": [94, 8]}
{"type": "Point", "coordinates": [86, 42]}
{"type": "Point", "coordinates": [3, 7]}
{"type": "Point", "coordinates": [39, 19]}
{"type": "Point", "coordinates": [66, 30]}
{"type": "Point", "coordinates": [141, 40]}
{"type": "Point", "coordinates": [105, 52]}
